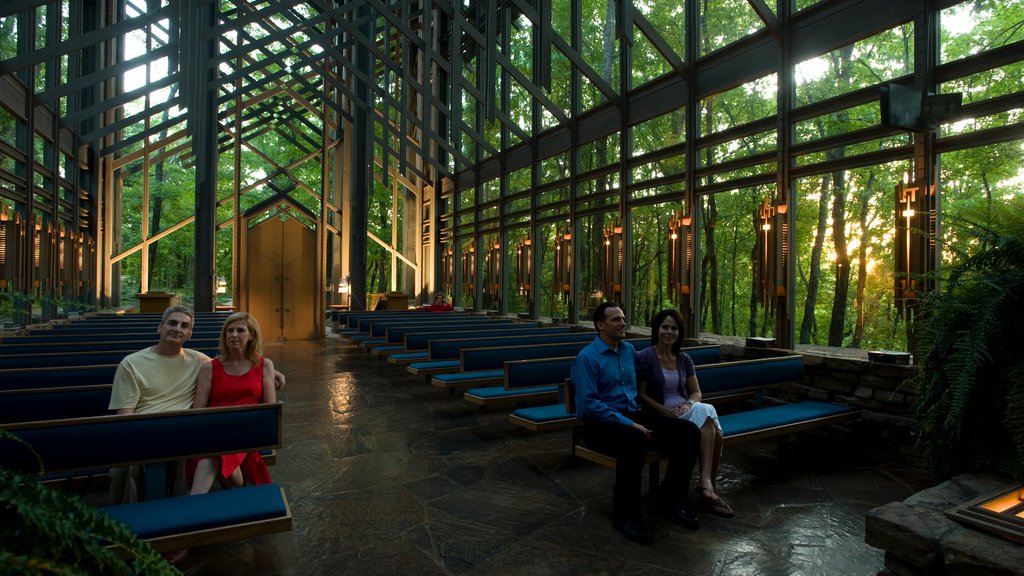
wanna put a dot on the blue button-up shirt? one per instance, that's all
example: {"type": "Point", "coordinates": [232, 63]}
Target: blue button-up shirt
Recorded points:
{"type": "Point", "coordinates": [605, 382]}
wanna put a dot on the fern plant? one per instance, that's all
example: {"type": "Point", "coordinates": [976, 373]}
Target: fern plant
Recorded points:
{"type": "Point", "coordinates": [970, 409]}
{"type": "Point", "coordinates": [45, 531]}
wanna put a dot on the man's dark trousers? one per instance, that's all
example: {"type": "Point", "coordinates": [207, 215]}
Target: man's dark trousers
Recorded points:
{"type": "Point", "coordinates": [678, 439]}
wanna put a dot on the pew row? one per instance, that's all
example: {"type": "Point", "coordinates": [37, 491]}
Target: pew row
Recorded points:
{"type": "Point", "coordinates": [418, 346]}
{"type": "Point", "coordinates": [719, 383]}
{"type": "Point", "coordinates": [445, 355]}
{"type": "Point", "coordinates": [757, 424]}
{"type": "Point", "coordinates": [169, 523]}
{"type": "Point", "coordinates": [539, 379]}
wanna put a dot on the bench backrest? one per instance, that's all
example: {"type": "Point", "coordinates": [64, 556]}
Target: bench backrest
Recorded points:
{"type": "Point", "coordinates": [346, 317]}
{"type": "Point", "coordinates": [549, 371]}
{"type": "Point", "coordinates": [450, 349]}
{"type": "Point", "coordinates": [111, 328]}
{"type": "Point", "coordinates": [78, 359]}
{"type": "Point", "coordinates": [749, 374]}
{"type": "Point", "coordinates": [94, 345]}
{"type": "Point", "coordinates": [380, 329]}
{"type": "Point", "coordinates": [101, 441]}
{"type": "Point", "coordinates": [56, 376]}
{"type": "Point", "coordinates": [367, 324]}
{"type": "Point", "coordinates": [61, 337]}
{"type": "Point", "coordinates": [54, 403]}
{"type": "Point", "coordinates": [398, 333]}
{"type": "Point", "coordinates": [422, 340]}
{"type": "Point", "coordinates": [494, 357]}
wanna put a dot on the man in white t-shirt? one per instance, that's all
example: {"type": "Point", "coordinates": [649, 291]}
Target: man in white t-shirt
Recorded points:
{"type": "Point", "coordinates": [156, 379]}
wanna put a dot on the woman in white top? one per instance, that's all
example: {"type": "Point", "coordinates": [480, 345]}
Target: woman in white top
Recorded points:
{"type": "Point", "coordinates": [667, 384]}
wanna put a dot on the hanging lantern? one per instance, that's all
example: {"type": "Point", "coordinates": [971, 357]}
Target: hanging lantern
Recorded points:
{"type": "Point", "coordinates": [492, 271]}
{"type": "Point", "coordinates": [524, 267]}
{"type": "Point", "coordinates": [469, 269]}
{"type": "Point", "coordinates": [680, 258]}
{"type": "Point", "coordinates": [915, 241]}
{"type": "Point", "coordinates": [447, 270]}
{"type": "Point", "coordinates": [562, 277]}
{"type": "Point", "coordinates": [772, 252]}
{"type": "Point", "coordinates": [612, 249]}
{"type": "Point", "coordinates": [8, 236]}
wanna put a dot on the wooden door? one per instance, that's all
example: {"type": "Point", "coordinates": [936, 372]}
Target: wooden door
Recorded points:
{"type": "Point", "coordinates": [281, 278]}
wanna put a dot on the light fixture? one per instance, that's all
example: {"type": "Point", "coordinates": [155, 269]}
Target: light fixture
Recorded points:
{"type": "Point", "coordinates": [222, 285]}
{"type": "Point", "coordinates": [915, 241]}
{"type": "Point", "coordinates": [562, 277]}
{"type": "Point", "coordinates": [611, 279]}
{"type": "Point", "coordinates": [524, 267]}
{"type": "Point", "coordinates": [492, 271]}
{"type": "Point", "coordinates": [772, 252]}
{"type": "Point", "coordinates": [680, 258]}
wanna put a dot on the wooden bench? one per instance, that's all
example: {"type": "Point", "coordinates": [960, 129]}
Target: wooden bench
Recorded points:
{"type": "Point", "coordinates": [54, 403]}
{"type": "Point", "coordinates": [419, 345]}
{"type": "Point", "coordinates": [56, 376]}
{"type": "Point", "coordinates": [395, 335]}
{"type": "Point", "coordinates": [375, 328]}
{"type": "Point", "coordinates": [445, 354]}
{"type": "Point", "coordinates": [756, 424]}
{"type": "Point", "coordinates": [485, 367]}
{"type": "Point", "coordinates": [557, 416]}
{"type": "Point", "coordinates": [347, 319]}
{"type": "Point", "coordinates": [94, 345]}
{"type": "Point", "coordinates": [79, 359]}
{"type": "Point", "coordinates": [17, 406]}
{"type": "Point", "coordinates": [169, 523]}
{"type": "Point", "coordinates": [539, 379]}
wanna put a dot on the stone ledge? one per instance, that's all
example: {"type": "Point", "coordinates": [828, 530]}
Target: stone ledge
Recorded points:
{"type": "Point", "coordinates": [919, 539]}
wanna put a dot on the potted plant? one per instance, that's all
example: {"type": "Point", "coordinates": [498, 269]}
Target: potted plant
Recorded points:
{"type": "Point", "coordinates": [970, 409]}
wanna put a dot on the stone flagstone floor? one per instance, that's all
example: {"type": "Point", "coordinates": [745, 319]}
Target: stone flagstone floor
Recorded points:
{"type": "Point", "coordinates": [388, 475]}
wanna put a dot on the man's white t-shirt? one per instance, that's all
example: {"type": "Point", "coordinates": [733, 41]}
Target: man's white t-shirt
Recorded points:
{"type": "Point", "coordinates": [151, 382]}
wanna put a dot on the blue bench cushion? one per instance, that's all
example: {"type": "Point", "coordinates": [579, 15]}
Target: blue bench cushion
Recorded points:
{"type": "Point", "coordinates": [464, 376]}
{"type": "Point", "coordinates": [411, 356]}
{"type": "Point", "coordinates": [543, 413]}
{"type": "Point", "coordinates": [766, 418]}
{"type": "Point", "coordinates": [434, 365]}
{"type": "Point", "coordinates": [388, 348]}
{"type": "Point", "coordinates": [501, 392]}
{"type": "Point", "coordinates": [155, 518]}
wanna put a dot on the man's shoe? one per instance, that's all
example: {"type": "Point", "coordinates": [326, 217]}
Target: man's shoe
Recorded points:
{"type": "Point", "coordinates": [680, 516]}
{"type": "Point", "coordinates": [635, 531]}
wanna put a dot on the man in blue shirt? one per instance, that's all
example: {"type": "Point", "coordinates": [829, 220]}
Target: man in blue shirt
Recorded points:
{"type": "Point", "coordinates": [605, 381]}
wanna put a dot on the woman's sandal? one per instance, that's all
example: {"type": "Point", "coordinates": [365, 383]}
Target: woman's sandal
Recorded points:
{"type": "Point", "coordinates": [715, 504]}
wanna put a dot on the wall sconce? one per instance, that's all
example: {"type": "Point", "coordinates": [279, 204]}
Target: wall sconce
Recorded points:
{"type": "Point", "coordinates": [447, 269]}
{"type": "Point", "coordinates": [680, 258]}
{"type": "Point", "coordinates": [772, 252]}
{"type": "Point", "coordinates": [8, 235]}
{"type": "Point", "coordinates": [222, 285]}
{"type": "Point", "coordinates": [612, 277]}
{"type": "Point", "coordinates": [562, 277]}
{"type": "Point", "coordinates": [492, 271]}
{"type": "Point", "coordinates": [524, 267]}
{"type": "Point", "coordinates": [915, 241]}
{"type": "Point", "coordinates": [469, 268]}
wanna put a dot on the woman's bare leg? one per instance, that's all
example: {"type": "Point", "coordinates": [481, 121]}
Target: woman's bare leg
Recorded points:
{"type": "Point", "coordinates": [206, 473]}
{"type": "Point", "coordinates": [708, 454]}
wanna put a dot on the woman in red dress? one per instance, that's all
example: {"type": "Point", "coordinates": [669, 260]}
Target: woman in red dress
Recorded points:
{"type": "Point", "coordinates": [239, 376]}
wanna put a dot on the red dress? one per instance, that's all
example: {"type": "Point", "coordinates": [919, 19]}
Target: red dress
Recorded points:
{"type": "Point", "coordinates": [230, 390]}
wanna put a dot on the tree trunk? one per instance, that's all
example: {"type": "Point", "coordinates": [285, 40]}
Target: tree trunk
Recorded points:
{"type": "Point", "coordinates": [710, 270]}
{"type": "Point", "coordinates": [862, 267]}
{"type": "Point", "coordinates": [838, 322]}
{"type": "Point", "coordinates": [808, 326]}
